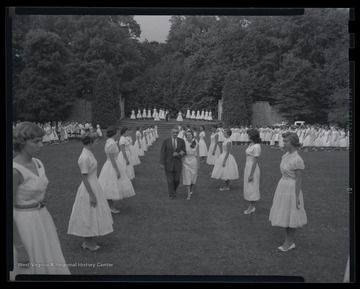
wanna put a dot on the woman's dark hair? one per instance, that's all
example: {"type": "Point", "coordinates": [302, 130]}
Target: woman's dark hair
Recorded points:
{"type": "Point", "coordinates": [25, 131]}
{"type": "Point", "coordinates": [293, 138]}
{"type": "Point", "coordinates": [89, 137]}
{"type": "Point", "coordinates": [228, 131]}
{"type": "Point", "coordinates": [111, 130]}
{"type": "Point", "coordinates": [254, 135]}
{"type": "Point", "coordinates": [193, 143]}
{"type": "Point", "coordinates": [123, 130]}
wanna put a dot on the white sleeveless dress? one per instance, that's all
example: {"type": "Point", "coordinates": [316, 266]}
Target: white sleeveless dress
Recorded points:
{"type": "Point", "coordinates": [36, 227]}
{"type": "Point", "coordinates": [230, 170]}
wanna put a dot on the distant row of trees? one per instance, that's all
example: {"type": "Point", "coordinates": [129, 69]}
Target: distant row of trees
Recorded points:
{"type": "Point", "coordinates": [297, 63]}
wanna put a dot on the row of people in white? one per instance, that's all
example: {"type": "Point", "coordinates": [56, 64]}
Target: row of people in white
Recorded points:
{"type": "Point", "coordinates": [96, 196]}
{"type": "Point", "coordinates": [287, 210]}
{"type": "Point", "coordinates": [204, 115]}
{"type": "Point", "coordinates": [63, 131]}
{"type": "Point", "coordinates": [147, 114]}
{"type": "Point", "coordinates": [310, 136]}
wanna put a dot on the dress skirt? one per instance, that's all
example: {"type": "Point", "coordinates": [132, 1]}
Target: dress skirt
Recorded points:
{"type": "Point", "coordinates": [134, 156]}
{"type": "Point", "coordinates": [229, 172]}
{"type": "Point", "coordinates": [129, 169]}
{"type": "Point", "coordinates": [211, 159]}
{"type": "Point", "coordinates": [283, 212]}
{"type": "Point", "coordinates": [251, 189]}
{"type": "Point", "coordinates": [38, 233]}
{"type": "Point", "coordinates": [189, 170]}
{"type": "Point", "coordinates": [109, 182]}
{"type": "Point", "coordinates": [87, 221]}
{"type": "Point", "coordinates": [139, 151]}
{"type": "Point", "coordinates": [203, 152]}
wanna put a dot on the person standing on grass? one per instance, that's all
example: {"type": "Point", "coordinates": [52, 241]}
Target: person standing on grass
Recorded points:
{"type": "Point", "coordinates": [252, 171]}
{"type": "Point", "coordinates": [214, 151]}
{"type": "Point", "coordinates": [172, 150]}
{"type": "Point", "coordinates": [225, 167]}
{"type": "Point", "coordinates": [91, 215]}
{"type": "Point", "coordinates": [287, 209]}
{"type": "Point", "coordinates": [35, 237]}
{"type": "Point", "coordinates": [124, 157]}
{"type": "Point", "coordinates": [203, 152]}
{"type": "Point", "coordinates": [109, 177]}
{"type": "Point", "coordinates": [191, 163]}
{"type": "Point", "coordinates": [113, 179]}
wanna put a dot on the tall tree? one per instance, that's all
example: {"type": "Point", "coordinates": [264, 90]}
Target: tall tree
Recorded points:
{"type": "Point", "coordinates": [46, 90]}
{"type": "Point", "coordinates": [237, 101]}
{"type": "Point", "coordinates": [103, 111]}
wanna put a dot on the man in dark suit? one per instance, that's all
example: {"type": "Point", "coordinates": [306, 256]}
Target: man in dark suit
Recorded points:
{"type": "Point", "coordinates": [172, 150]}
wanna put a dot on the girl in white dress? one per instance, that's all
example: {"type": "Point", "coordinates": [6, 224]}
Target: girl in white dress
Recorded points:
{"type": "Point", "coordinates": [35, 238]}
{"type": "Point", "coordinates": [191, 164]}
{"type": "Point", "coordinates": [144, 145]}
{"type": "Point", "coordinates": [214, 151]}
{"type": "Point", "coordinates": [188, 115]}
{"type": "Point", "coordinates": [90, 215]}
{"type": "Point", "coordinates": [98, 130]}
{"type": "Point", "coordinates": [139, 116]}
{"type": "Point", "coordinates": [139, 148]}
{"type": "Point", "coordinates": [221, 138]}
{"type": "Point", "coordinates": [287, 209]}
{"type": "Point", "coordinates": [133, 116]}
{"type": "Point", "coordinates": [134, 156]}
{"type": "Point", "coordinates": [124, 157]}
{"type": "Point", "coordinates": [342, 139]}
{"type": "Point", "coordinates": [203, 152]}
{"type": "Point", "coordinates": [252, 171]}
{"type": "Point", "coordinates": [179, 117]}
{"type": "Point", "coordinates": [110, 175]}
{"type": "Point", "coordinates": [210, 116]}
{"type": "Point", "coordinates": [193, 116]}
{"type": "Point", "coordinates": [225, 167]}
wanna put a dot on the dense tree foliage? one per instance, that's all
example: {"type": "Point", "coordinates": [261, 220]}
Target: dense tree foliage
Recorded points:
{"type": "Point", "coordinates": [103, 101]}
{"type": "Point", "coordinates": [297, 63]}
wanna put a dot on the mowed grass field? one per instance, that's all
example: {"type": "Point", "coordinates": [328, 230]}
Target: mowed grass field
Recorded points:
{"type": "Point", "coordinates": [208, 235]}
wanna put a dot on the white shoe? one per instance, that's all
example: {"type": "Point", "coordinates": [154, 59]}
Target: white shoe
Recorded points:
{"type": "Point", "coordinates": [281, 248]}
{"type": "Point", "coordinates": [249, 212]}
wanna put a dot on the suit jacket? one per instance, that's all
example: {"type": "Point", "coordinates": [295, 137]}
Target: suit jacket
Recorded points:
{"type": "Point", "coordinates": [167, 159]}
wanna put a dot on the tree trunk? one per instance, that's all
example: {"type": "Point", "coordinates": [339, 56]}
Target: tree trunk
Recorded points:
{"type": "Point", "coordinates": [122, 106]}
{"type": "Point", "coordinates": [220, 108]}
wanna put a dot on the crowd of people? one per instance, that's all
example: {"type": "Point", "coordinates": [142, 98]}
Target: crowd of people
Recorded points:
{"type": "Point", "coordinates": [35, 242]}
{"type": "Point", "coordinates": [165, 114]}
{"type": "Point", "coordinates": [180, 159]}
{"type": "Point", "coordinates": [35, 235]}
{"type": "Point", "coordinates": [57, 132]}
{"type": "Point", "coordinates": [204, 115]}
{"type": "Point", "coordinates": [156, 115]}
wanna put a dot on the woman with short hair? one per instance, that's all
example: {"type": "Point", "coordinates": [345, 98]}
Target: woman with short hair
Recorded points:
{"type": "Point", "coordinates": [287, 209]}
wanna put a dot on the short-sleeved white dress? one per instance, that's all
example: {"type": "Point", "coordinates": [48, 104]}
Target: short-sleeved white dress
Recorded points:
{"type": "Point", "coordinates": [114, 188]}
{"type": "Point", "coordinates": [85, 220]}
{"type": "Point", "coordinates": [251, 189]}
{"type": "Point", "coordinates": [210, 157]}
{"type": "Point", "coordinates": [230, 170]}
{"type": "Point", "coordinates": [203, 152]}
{"type": "Point", "coordinates": [283, 212]}
{"type": "Point", "coordinates": [190, 165]}
{"type": "Point", "coordinates": [35, 225]}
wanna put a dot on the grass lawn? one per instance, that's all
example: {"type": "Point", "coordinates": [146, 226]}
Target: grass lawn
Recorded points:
{"type": "Point", "coordinates": [208, 235]}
